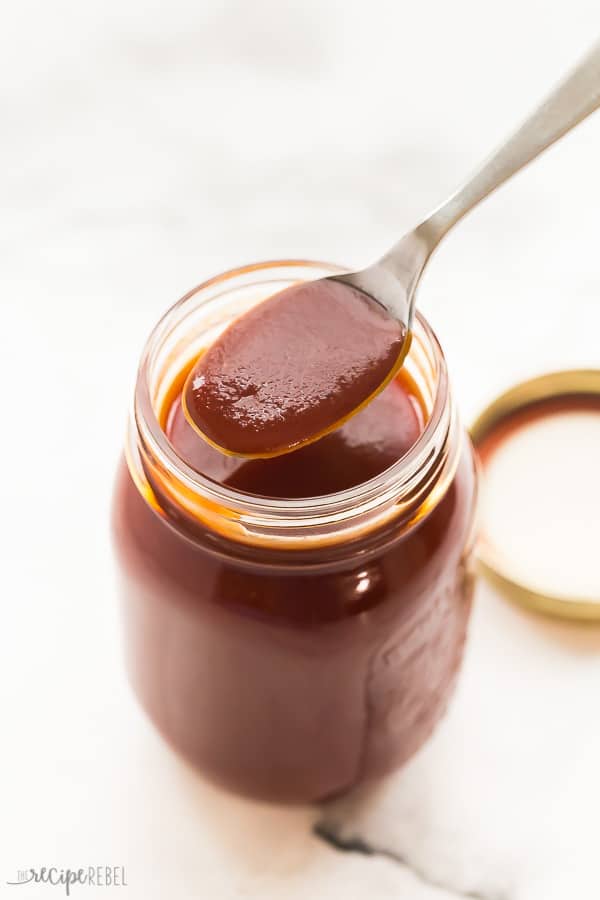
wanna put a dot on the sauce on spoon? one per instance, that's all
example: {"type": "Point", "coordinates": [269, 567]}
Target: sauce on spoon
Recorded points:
{"type": "Point", "coordinates": [292, 369]}
{"type": "Point", "coordinates": [362, 448]}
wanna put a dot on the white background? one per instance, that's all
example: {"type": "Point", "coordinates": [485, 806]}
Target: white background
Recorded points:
{"type": "Point", "coordinates": [144, 147]}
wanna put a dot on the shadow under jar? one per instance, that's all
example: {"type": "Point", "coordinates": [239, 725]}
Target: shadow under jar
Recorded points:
{"type": "Point", "coordinates": [291, 648]}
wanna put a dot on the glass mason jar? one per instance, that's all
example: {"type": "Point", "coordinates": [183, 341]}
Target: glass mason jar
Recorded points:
{"type": "Point", "coordinates": [292, 648]}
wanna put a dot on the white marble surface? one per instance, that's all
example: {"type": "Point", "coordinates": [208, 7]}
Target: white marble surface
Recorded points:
{"type": "Point", "coordinates": [146, 146]}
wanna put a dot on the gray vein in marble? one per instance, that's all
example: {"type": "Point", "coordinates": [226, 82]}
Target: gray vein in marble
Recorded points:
{"type": "Point", "coordinates": [332, 837]}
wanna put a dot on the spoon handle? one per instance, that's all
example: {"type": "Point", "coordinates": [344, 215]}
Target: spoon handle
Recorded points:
{"type": "Point", "coordinates": [571, 101]}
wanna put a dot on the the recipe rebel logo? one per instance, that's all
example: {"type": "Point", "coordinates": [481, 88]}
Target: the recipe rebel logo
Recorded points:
{"type": "Point", "coordinates": [88, 876]}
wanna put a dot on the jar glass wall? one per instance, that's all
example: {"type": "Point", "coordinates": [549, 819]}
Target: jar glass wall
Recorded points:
{"type": "Point", "coordinates": [291, 648]}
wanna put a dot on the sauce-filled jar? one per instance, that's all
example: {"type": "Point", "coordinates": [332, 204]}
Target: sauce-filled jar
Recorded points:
{"type": "Point", "coordinates": [291, 647]}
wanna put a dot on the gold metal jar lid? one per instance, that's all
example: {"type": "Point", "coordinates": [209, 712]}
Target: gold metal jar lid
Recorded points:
{"type": "Point", "coordinates": [539, 452]}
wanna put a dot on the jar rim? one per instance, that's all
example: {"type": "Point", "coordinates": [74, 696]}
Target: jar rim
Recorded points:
{"type": "Point", "coordinates": [387, 486]}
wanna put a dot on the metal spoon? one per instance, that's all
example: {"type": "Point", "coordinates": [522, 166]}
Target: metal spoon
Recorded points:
{"type": "Point", "coordinates": [253, 410]}
{"type": "Point", "coordinates": [394, 279]}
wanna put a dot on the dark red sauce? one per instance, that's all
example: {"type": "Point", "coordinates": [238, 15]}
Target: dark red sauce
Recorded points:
{"type": "Point", "coordinates": [364, 446]}
{"type": "Point", "coordinates": [295, 675]}
{"type": "Point", "coordinates": [293, 368]}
